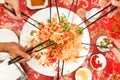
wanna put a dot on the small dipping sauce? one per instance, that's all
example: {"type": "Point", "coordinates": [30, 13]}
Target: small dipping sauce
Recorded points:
{"type": "Point", "coordinates": [37, 2]}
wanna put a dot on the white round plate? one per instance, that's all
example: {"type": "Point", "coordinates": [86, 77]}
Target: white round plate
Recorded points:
{"type": "Point", "coordinates": [83, 74]}
{"type": "Point", "coordinates": [7, 35]}
{"type": "Point", "coordinates": [98, 42]}
{"type": "Point", "coordinates": [44, 15]}
{"type": "Point", "coordinates": [99, 61]}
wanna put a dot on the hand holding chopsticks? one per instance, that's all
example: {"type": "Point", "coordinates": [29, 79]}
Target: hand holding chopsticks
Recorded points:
{"type": "Point", "coordinates": [47, 42]}
{"type": "Point", "coordinates": [13, 12]}
{"type": "Point", "coordinates": [13, 5]}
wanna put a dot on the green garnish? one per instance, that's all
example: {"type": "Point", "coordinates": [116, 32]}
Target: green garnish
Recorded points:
{"type": "Point", "coordinates": [53, 25]}
{"type": "Point", "coordinates": [79, 31]}
{"type": "Point", "coordinates": [48, 21]}
{"type": "Point", "coordinates": [66, 28]}
{"type": "Point", "coordinates": [105, 42]}
{"type": "Point", "coordinates": [63, 18]}
{"type": "Point", "coordinates": [39, 47]}
{"type": "Point", "coordinates": [32, 33]}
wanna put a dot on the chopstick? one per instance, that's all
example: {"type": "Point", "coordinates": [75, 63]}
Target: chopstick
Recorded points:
{"type": "Point", "coordinates": [100, 17]}
{"type": "Point", "coordinates": [70, 9]}
{"type": "Point", "coordinates": [30, 51]}
{"type": "Point", "coordinates": [94, 45]}
{"type": "Point", "coordinates": [57, 10]}
{"type": "Point", "coordinates": [95, 14]}
{"type": "Point", "coordinates": [74, 11]}
{"type": "Point", "coordinates": [59, 21]}
{"type": "Point", "coordinates": [24, 15]}
{"type": "Point", "coordinates": [71, 22]}
{"type": "Point", "coordinates": [50, 9]}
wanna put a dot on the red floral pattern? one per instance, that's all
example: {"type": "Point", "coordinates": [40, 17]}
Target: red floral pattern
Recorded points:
{"type": "Point", "coordinates": [105, 26]}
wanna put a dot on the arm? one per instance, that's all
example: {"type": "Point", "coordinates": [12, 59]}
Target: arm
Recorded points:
{"type": "Point", "coordinates": [14, 50]}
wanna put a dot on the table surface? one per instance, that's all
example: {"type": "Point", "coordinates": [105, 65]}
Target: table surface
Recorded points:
{"type": "Point", "coordinates": [105, 26]}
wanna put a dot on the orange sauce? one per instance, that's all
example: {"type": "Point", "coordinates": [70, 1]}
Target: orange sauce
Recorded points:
{"type": "Point", "coordinates": [37, 2]}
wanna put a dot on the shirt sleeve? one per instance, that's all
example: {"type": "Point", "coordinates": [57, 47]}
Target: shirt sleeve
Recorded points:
{"type": "Point", "coordinates": [2, 1]}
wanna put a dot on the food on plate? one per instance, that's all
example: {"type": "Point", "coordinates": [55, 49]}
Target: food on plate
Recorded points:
{"type": "Point", "coordinates": [37, 2]}
{"type": "Point", "coordinates": [67, 37]}
{"type": "Point", "coordinates": [83, 74]}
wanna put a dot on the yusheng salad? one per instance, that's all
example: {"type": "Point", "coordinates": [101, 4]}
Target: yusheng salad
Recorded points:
{"type": "Point", "coordinates": [66, 36]}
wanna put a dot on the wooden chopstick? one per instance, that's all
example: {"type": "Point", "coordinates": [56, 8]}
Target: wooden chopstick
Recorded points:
{"type": "Point", "coordinates": [30, 51]}
{"type": "Point", "coordinates": [24, 15]}
{"type": "Point", "coordinates": [95, 14]}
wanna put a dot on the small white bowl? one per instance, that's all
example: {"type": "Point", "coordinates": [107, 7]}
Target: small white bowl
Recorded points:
{"type": "Point", "coordinates": [29, 5]}
{"type": "Point", "coordinates": [98, 61]}
{"type": "Point", "coordinates": [7, 35]}
{"type": "Point", "coordinates": [100, 41]}
{"type": "Point", "coordinates": [83, 74]}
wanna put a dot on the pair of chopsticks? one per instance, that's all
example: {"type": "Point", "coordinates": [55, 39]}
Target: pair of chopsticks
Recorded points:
{"type": "Point", "coordinates": [24, 15]}
{"type": "Point", "coordinates": [31, 49]}
{"type": "Point", "coordinates": [94, 45]}
{"type": "Point", "coordinates": [110, 5]}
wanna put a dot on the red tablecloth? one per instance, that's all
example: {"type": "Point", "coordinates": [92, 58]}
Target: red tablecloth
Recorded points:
{"type": "Point", "coordinates": [105, 26]}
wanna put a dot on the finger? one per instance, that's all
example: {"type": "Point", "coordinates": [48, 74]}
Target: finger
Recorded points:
{"type": "Point", "coordinates": [12, 55]}
{"type": "Point", "coordinates": [115, 42]}
{"type": "Point", "coordinates": [110, 15]}
{"type": "Point", "coordinates": [116, 52]}
{"type": "Point", "coordinates": [11, 14]}
{"type": "Point", "coordinates": [116, 3]}
{"type": "Point", "coordinates": [17, 10]}
{"type": "Point", "coordinates": [25, 55]}
{"type": "Point", "coordinates": [22, 60]}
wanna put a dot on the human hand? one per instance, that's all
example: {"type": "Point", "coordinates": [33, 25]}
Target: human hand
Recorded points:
{"type": "Point", "coordinates": [116, 47]}
{"type": "Point", "coordinates": [15, 6]}
{"type": "Point", "coordinates": [15, 49]}
{"type": "Point", "coordinates": [115, 3]}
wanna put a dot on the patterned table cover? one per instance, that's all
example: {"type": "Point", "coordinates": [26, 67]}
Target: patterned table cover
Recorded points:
{"type": "Point", "coordinates": [105, 26]}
